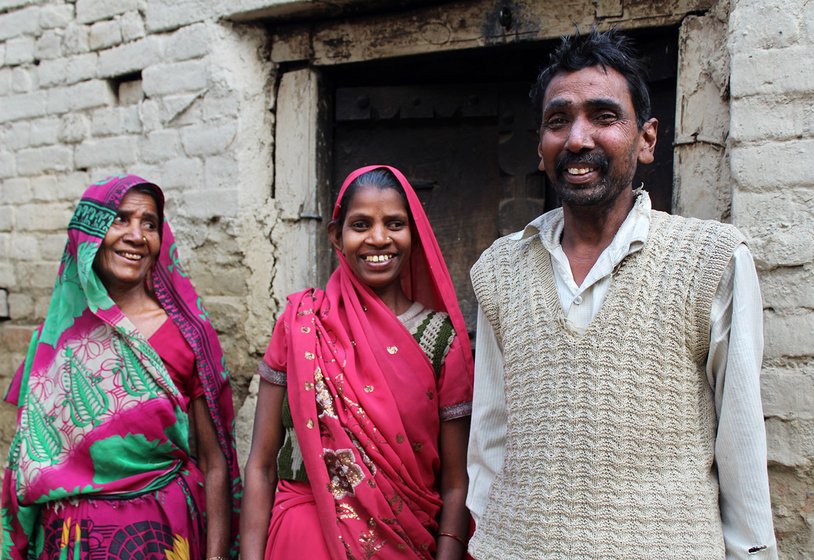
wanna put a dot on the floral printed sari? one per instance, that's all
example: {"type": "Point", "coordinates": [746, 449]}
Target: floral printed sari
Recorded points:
{"type": "Point", "coordinates": [366, 404]}
{"type": "Point", "coordinates": [100, 423]}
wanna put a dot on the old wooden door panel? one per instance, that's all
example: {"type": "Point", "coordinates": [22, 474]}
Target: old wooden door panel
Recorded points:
{"type": "Point", "coordinates": [451, 160]}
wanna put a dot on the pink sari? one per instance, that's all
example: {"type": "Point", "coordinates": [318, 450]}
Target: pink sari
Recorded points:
{"type": "Point", "coordinates": [366, 405]}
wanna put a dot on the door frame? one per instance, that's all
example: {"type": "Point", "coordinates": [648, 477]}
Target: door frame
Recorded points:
{"type": "Point", "coordinates": [305, 50]}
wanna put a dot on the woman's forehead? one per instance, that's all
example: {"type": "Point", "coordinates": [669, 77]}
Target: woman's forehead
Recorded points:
{"type": "Point", "coordinates": [366, 198]}
{"type": "Point", "coordinates": [135, 199]}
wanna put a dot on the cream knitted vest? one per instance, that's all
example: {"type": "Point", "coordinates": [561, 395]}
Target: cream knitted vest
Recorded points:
{"type": "Point", "coordinates": [610, 435]}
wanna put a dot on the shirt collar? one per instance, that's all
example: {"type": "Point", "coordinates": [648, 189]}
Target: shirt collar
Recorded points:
{"type": "Point", "coordinates": [629, 239]}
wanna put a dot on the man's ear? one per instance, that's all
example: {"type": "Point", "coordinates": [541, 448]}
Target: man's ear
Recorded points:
{"type": "Point", "coordinates": [647, 140]}
{"type": "Point", "coordinates": [335, 234]}
{"type": "Point", "coordinates": [541, 165]}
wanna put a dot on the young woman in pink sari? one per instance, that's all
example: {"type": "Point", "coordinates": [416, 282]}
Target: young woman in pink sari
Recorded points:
{"type": "Point", "coordinates": [359, 446]}
{"type": "Point", "coordinates": [122, 376]}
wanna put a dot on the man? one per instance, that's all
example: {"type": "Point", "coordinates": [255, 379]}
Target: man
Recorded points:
{"type": "Point", "coordinates": [617, 407]}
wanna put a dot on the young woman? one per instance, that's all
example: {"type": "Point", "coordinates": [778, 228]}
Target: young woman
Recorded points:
{"type": "Point", "coordinates": [359, 447]}
{"type": "Point", "coordinates": [125, 371]}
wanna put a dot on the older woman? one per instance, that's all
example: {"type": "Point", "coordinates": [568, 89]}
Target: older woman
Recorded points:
{"type": "Point", "coordinates": [122, 383]}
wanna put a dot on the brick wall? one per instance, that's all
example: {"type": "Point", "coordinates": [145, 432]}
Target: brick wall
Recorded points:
{"type": "Point", "coordinates": [91, 88]}
{"type": "Point", "coordinates": [771, 146]}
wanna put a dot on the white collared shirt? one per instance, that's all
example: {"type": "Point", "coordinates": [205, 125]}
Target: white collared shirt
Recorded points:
{"type": "Point", "coordinates": [733, 371]}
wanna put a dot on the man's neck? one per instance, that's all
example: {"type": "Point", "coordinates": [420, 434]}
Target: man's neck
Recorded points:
{"type": "Point", "coordinates": [588, 230]}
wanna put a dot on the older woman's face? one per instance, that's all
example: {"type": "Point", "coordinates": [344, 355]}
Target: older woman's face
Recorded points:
{"type": "Point", "coordinates": [131, 245]}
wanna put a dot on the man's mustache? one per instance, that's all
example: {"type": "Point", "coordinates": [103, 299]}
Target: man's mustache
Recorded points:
{"type": "Point", "coordinates": [595, 159]}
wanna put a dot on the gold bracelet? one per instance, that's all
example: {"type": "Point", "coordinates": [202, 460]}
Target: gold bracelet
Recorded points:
{"type": "Point", "coordinates": [450, 535]}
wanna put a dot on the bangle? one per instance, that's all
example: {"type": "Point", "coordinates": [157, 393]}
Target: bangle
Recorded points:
{"type": "Point", "coordinates": [217, 558]}
{"type": "Point", "coordinates": [450, 535]}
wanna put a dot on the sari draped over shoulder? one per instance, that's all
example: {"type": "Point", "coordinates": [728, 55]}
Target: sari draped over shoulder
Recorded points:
{"type": "Point", "coordinates": [366, 402]}
{"type": "Point", "coordinates": [99, 418]}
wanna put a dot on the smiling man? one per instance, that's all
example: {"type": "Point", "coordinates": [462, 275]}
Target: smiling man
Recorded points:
{"type": "Point", "coordinates": [617, 408]}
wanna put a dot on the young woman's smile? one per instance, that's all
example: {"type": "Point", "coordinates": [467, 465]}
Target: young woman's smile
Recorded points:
{"type": "Point", "coordinates": [375, 237]}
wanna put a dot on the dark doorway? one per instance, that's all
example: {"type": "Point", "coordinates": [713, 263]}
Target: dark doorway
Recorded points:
{"type": "Point", "coordinates": [461, 128]}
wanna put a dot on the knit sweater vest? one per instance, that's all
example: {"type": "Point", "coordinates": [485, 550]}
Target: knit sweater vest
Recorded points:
{"type": "Point", "coordinates": [610, 434]}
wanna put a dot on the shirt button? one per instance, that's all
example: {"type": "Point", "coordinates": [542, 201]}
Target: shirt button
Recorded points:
{"type": "Point", "coordinates": [578, 300]}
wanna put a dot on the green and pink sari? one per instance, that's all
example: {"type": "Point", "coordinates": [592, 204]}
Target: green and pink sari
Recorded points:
{"type": "Point", "coordinates": [100, 465]}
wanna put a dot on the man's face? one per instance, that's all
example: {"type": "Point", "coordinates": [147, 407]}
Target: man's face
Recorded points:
{"type": "Point", "coordinates": [590, 142]}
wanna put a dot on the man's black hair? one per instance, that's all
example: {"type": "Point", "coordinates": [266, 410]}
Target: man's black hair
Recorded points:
{"type": "Point", "coordinates": [609, 49]}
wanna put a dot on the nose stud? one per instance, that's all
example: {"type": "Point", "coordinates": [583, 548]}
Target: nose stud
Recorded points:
{"type": "Point", "coordinates": [388, 239]}
{"type": "Point", "coordinates": [144, 238]}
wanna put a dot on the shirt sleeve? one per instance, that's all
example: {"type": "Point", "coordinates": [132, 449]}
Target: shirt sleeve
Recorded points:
{"type": "Point", "coordinates": [733, 370]}
{"type": "Point", "coordinates": [273, 366]}
{"type": "Point", "coordinates": [487, 436]}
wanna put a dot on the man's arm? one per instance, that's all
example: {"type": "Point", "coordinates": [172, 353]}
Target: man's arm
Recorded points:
{"type": "Point", "coordinates": [733, 369]}
{"type": "Point", "coordinates": [488, 431]}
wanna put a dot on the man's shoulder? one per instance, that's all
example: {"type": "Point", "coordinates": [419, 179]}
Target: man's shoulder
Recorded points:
{"type": "Point", "coordinates": [540, 224]}
{"type": "Point", "coordinates": [664, 222]}
{"type": "Point", "coordinates": [507, 243]}
{"type": "Point", "coordinates": [509, 240]}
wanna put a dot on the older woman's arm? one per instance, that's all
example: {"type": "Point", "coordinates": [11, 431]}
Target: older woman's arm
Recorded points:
{"type": "Point", "coordinates": [454, 525]}
{"type": "Point", "coordinates": [213, 464]}
{"type": "Point", "coordinates": [261, 471]}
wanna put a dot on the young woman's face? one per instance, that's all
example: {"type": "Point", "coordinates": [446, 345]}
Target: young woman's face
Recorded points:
{"type": "Point", "coordinates": [131, 245]}
{"type": "Point", "coordinates": [375, 237]}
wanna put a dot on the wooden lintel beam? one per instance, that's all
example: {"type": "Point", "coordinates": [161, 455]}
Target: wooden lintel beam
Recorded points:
{"type": "Point", "coordinates": [467, 24]}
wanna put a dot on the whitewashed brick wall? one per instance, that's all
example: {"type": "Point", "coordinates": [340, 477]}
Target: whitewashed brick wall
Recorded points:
{"type": "Point", "coordinates": [772, 149]}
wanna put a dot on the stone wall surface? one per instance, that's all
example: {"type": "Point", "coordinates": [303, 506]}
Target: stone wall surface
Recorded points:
{"type": "Point", "coordinates": [185, 94]}
{"type": "Point", "coordinates": [97, 87]}
{"type": "Point", "coordinates": [771, 45]}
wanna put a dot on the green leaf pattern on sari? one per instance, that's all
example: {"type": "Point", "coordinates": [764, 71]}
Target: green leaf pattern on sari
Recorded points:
{"type": "Point", "coordinates": [224, 372]}
{"type": "Point", "coordinates": [204, 314]}
{"type": "Point", "coordinates": [135, 379]}
{"type": "Point", "coordinates": [86, 400]}
{"type": "Point", "coordinates": [42, 439]}
{"type": "Point", "coordinates": [176, 261]}
{"type": "Point", "coordinates": [61, 493]}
